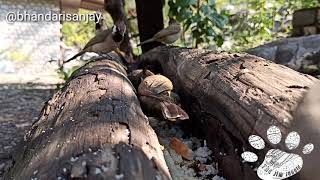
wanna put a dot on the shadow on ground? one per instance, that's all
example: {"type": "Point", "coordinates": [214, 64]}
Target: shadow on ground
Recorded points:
{"type": "Point", "coordinates": [20, 105]}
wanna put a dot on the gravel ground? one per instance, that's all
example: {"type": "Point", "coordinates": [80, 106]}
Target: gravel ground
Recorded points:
{"type": "Point", "coordinates": [198, 162]}
{"type": "Point", "coordinates": [20, 105]}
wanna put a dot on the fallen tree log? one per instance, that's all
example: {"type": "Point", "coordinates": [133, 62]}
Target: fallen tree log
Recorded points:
{"type": "Point", "coordinates": [231, 96]}
{"type": "Point", "coordinates": [92, 128]}
{"type": "Point", "coordinates": [291, 52]}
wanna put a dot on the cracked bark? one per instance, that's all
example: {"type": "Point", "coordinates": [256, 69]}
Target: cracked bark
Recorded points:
{"type": "Point", "coordinates": [231, 96]}
{"type": "Point", "coordinates": [92, 128]}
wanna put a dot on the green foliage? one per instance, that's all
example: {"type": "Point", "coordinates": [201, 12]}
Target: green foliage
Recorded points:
{"type": "Point", "coordinates": [133, 32]}
{"type": "Point", "coordinates": [18, 56]}
{"type": "Point", "coordinates": [78, 33]}
{"type": "Point", "coordinates": [254, 22]}
{"type": "Point", "coordinates": [201, 21]}
{"type": "Point", "coordinates": [235, 24]}
{"type": "Point", "coordinates": [14, 54]}
{"type": "Point", "coordinates": [65, 73]}
{"type": "Point", "coordinates": [311, 69]}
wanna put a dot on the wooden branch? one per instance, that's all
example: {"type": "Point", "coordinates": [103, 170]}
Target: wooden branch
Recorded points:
{"type": "Point", "coordinates": [92, 128]}
{"type": "Point", "coordinates": [232, 96]}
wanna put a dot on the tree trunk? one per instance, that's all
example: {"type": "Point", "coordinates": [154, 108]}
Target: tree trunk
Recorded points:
{"type": "Point", "coordinates": [91, 128]}
{"type": "Point", "coordinates": [232, 96]}
{"type": "Point", "coordinates": [150, 21]}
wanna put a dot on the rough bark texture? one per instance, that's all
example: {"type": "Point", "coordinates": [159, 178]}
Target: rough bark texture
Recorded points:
{"type": "Point", "coordinates": [231, 96]}
{"type": "Point", "coordinates": [92, 128]}
{"type": "Point", "coordinates": [289, 51]}
{"type": "Point", "coordinates": [116, 9]}
{"type": "Point", "coordinates": [150, 21]}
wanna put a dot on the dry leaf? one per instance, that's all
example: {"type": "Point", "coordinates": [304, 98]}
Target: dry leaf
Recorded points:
{"type": "Point", "coordinates": [181, 148]}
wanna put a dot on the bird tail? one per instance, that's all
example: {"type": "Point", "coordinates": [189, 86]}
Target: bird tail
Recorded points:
{"type": "Point", "coordinates": [147, 41]}
{"type": "Point", "coordinates": [172, 111]}
{"type": "Point", "coordinates": [75, 56]}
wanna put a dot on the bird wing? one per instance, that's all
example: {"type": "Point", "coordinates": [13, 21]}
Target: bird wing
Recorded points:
{"type": "Point", "coordinates": [100, 37]}
{"type": "Point", "coordinates": [170, 30]}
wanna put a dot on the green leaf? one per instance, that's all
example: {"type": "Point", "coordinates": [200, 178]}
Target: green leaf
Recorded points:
{"type": "Point", "coordinates": [205, 9]}
{"type": "Point", "coordinates": [219, 40]}
{"type": "Point", "coordinates": [171, 4]}
{"type": "Point", "coordinates": [185, 13]}
{"type": "Point", "coordinates": [217, 20]}
{"type": "Point", "coordinates": [184, 3]}
{"type": "Point", "coordinates": [212, 2]}
{"type": "Point", "coordinates": [192, 2]}
{"type": "Point", "coordinates": [210, 32]}
{"type": "Point", "coordinates": [187, 24]}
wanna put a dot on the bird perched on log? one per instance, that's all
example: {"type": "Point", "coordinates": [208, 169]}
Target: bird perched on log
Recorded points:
{"type": "Point", "coordinates": [104, 42]}
{"type": "Point", "coordinates": [167, 35]}
{"type": "Point", "coordinates": [155, 93]}
{"type": "Point", "coordinates": [99, 23]}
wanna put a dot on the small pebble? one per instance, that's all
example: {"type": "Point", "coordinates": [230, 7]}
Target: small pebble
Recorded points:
{"type": "Point", "coordinates": [119, 176]}
{"type": "Point", "coordinates": [98, 171]}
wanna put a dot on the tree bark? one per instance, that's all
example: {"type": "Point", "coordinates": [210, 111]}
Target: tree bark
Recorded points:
{"type": "Point", "coordinates": [91, 128]}
{"type": "Point", "coordinates": [231, 96]}
{"type": "Point", "coordinates": [150, 21]}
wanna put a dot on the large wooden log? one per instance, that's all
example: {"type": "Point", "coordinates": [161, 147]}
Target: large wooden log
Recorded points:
{"type": "Point", "coordinates": [232, 96]}
{"type": "Point", "coordinates": [92, 128]}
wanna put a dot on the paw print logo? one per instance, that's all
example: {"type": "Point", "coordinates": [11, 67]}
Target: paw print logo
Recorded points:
{"type": "Point", "coordinates": [277, 164]}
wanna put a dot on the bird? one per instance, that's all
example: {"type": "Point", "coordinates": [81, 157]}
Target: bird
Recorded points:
{"type": "Point", "coordinates": [167, 35]}
{"type": "Point", "coordinates": [155, 93]}
{"type": "Point", "coordinates": [105, 41]}
{"type": "Point", "coordinates": [101, 26]}
{"type": "Point", "coordinates": [99, 23]}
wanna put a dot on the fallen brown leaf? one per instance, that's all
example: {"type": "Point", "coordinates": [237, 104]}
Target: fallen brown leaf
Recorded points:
{"type": "Point", "coordinates": [181, 149]}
